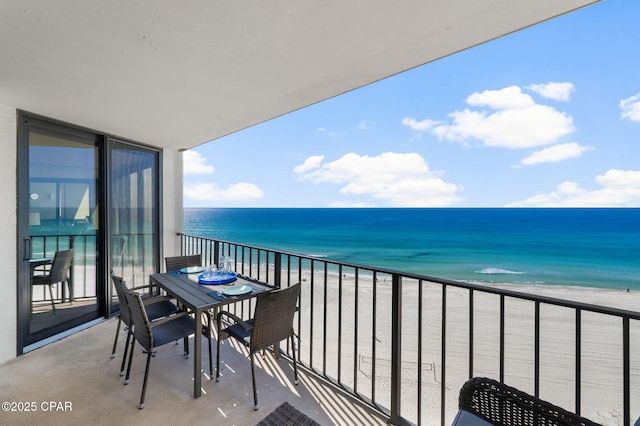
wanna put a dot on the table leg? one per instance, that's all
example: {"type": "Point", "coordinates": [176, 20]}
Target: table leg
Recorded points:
{"type": "Point", "coordinates": [197, 356]}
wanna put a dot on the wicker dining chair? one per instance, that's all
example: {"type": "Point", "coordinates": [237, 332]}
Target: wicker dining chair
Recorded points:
{"type": "Point", "coordinates": [175, 263]}
{"type": "Point", "coordinates": [151, 335]}
{"type": "Point", "coordinates": [156, 307]}
{"type": "Point", "coordinates": [59, 273]}
{"type": "Point", "coordinates": [499, 404]}
{"type": "Point", "coordinates": [272, 322]}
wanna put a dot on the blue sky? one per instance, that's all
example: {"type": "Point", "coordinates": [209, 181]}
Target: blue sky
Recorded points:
{"type": "Point", "coordinates": [548, 116]}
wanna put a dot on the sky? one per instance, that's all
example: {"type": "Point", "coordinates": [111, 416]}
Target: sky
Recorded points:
{"type": "Point", "coordinates": [545, 117]}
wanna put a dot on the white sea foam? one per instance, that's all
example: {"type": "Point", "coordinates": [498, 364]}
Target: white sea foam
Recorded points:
{"type": "Point", "coordinates": [498, 271]}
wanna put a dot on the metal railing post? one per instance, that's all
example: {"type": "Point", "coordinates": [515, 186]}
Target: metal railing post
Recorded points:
{"type": "Point", "coordinates": [396, 347]}
{"type": "Point", "coordinates": [277, 269]}
{"type": "Point", "coordinates": [626, 370]}
{"type": "Point", "coordinates": [578, 378]}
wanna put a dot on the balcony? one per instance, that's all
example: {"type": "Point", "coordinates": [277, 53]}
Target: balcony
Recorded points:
{"type": "Point", "coordinates": [405, 344]}
{"type": "Point", "coordinates": [376, 346]}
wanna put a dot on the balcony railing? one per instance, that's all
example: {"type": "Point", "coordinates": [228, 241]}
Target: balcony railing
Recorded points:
{"type": "Point", "coordinates": [131, 257]}
{"type": "Point", "coordinates": [405, 343]}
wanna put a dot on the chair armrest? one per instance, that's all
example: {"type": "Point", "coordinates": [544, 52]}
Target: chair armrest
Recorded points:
{"type": "Point", "coordinates": [156, 299]}
{"type": "Point", "coordinates": [150, 287]}
{"type": "Point", "coordinates": [167, 319]}
{"type": "Point", "coordinates": [235, 318]}
{"type": "Point", "coordinates": [142, 287]}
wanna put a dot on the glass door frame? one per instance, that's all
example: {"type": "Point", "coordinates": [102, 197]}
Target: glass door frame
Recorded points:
{"type": "Point", "coordinates": [27, 122]}
{"type": "Point", "coordinates": [105, 143]}
{"type": "Point", "coordinates": [121, 144]}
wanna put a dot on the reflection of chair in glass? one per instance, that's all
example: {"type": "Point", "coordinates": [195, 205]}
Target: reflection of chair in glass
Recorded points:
{"type": "Point", "coordinates": [151, 335]}
{"type": "Point", "coordinates": [119, 253]}
{"type": "Point", "coordinates": [272, 322]}
{"type": "Point", "coordinates": [58, 273]}
{"type": "Point", "coordinates": [176, 263]}
{"type": "Point", "coordinates": [155, 307]}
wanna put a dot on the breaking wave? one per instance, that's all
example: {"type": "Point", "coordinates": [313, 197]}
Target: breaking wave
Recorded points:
{"type": "Point", "coordinates": [498, 271]}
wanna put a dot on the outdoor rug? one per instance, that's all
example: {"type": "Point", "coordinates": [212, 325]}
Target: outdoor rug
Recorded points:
{"type": "Point", "coordinates": [287, 415]}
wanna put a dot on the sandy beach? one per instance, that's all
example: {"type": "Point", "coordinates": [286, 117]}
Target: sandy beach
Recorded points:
{"type": "Point", "coordinates": [350, 354]}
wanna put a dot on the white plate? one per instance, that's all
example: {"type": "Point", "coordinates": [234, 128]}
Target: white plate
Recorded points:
{"type": "Point", "coordinates": [237, 290]}
{"type": "Point", "coordinates": [192, 270]}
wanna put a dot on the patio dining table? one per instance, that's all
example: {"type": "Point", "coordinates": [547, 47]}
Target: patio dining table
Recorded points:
{"type": "Point", "coordinates": [199, 299]}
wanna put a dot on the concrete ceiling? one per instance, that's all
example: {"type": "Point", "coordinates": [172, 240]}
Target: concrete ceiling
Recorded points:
{"type": "Point", "coordinates": [178, 74]}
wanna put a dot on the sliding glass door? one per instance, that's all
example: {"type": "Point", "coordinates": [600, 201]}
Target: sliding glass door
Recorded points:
{"type": "Point", "coordinates": [133, 212]}
{"type": "Point", "coordinates": [87, 194]}
{"type": "Point", "coordinates": [60, 190]}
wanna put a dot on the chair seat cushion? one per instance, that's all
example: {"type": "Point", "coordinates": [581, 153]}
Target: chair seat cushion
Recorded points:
{"type": "Point", "coordinates": [465, 418]}
{"type": "Point", "coordinates": [160, 310]}
{"type": "Point", "coordinates": [240, 333]}
{"type": "Point", "coordinates": [173, 330]}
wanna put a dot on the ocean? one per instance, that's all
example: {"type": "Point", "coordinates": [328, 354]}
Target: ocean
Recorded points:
{"type": "Point", "coordinates": [568, 247]}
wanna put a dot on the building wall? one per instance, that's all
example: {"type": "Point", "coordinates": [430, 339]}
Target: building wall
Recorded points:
{"type": "Point", "coordinates": [172, 214]}
{"type": "Point", "coordinates": [8, 209]}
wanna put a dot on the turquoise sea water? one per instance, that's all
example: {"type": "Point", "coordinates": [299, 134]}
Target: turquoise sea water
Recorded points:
{"type": "Point", "coordinates": [575, 247]}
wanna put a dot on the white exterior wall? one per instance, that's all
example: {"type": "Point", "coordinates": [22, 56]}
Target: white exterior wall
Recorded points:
{"type": "Point", "coordinates": [8, 229]}
{"type": "Point", "coordinates": [173, 216]}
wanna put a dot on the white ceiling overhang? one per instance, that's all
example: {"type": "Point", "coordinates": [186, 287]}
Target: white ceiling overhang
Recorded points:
{"type": "Point", "coordinates": [177, 74]}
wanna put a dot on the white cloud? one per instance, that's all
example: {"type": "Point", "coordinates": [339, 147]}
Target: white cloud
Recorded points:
{"type": "Point", "coordinates": [508, 98]}
{"type": "Point", "coordinates": [555, 153]}
{"type": "Point", "coordinates": [619, 188]}
{"type": "Point", "coordinates": [310, 163]}
{"type": "Point", "coordinates": [366, 125]}
{"type": "Point", "coordinates": [553, 90]}
{"type": "Point", "coordinates": [195, 164]}
{"type": "Point", "coordinates": [330, 133]}
{"type": "Point", "coordinates": [620, 179]}
{"type": "Point", "coordinates": [513, 120]}
{"type": "Point", "coordinates": [418, 125]}
{"type": "Point", "coordinates": [631, 107]}
{"type": "Point", "coordinates": [393, 178]}
{"type": "Point", "coordinates": [238, 192]}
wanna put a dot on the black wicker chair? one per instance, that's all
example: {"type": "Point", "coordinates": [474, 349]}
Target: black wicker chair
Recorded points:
{"type": "Point", "coordinates": [156, 307]}
{"type": "Point", "coordinates": [175, 263]}
{"type": "Point", "coordinates": [151, 335]}
{"type": "Point", "coordinates": [59, 273]}
{"type": "Point", "coordinates": [502, 405]}
{"type": "Point", "coordinates": [272, 322]}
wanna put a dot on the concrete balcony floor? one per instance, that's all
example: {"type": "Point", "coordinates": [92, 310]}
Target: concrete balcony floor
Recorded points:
{"type": "Point", "coordinates": [77, 372]}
